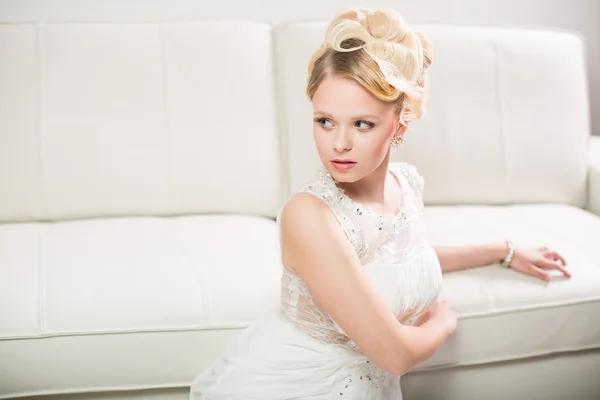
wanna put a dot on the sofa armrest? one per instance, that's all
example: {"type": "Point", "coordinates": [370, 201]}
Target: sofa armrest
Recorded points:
{"type": "Point", "coordinates": [593, 201]}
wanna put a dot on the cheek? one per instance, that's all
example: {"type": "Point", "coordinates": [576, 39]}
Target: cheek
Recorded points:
{"type": "Point", "coordinates": [317, 136]}
{"type": "Point", "coordinates": [380, 144]}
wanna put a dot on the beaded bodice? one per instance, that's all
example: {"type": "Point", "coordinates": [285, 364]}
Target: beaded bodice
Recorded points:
{"type": "Point", "coordinates": [393, 249]}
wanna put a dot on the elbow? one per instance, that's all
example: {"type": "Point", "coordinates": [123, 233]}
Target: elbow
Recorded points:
{"type": "Point", "coordinates": [400, 370]}
{"type": "Point", "coordinates": [402, 367]}
{"type": "Point", "coordinates": [403, 364]}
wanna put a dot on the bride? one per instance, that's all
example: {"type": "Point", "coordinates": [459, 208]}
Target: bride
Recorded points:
{"type": "Point", "coordinates": [360, 281]}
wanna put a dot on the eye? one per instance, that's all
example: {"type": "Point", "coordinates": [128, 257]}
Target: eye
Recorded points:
{"type": "Point", "coordinates": [364, 125]}
{"type": "Point", "coordinates": [323, 122]}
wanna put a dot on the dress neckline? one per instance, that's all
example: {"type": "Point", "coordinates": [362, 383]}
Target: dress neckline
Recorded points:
{"type": "Point", "coordinates": [362, 208]}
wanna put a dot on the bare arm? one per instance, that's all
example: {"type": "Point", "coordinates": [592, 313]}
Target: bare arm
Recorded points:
{"type": "Point", "coordinates": [315, 248]}
{"type": "Point", "coordinates": [531, 261]}
{"type": "Point", "coordinates": [454, 258]}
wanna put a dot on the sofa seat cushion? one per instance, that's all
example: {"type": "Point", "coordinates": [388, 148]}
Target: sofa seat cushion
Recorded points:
{"type": "Point", "coordinates": [124, 303]}
{"type": "Point", "coordinates": [504, 314]}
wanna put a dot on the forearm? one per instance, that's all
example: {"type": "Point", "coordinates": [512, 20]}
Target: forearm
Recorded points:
{"type": "Point", "coordinates": [421, 343]}
{"type": "Point", "coordinates": [453, 258]}
{"type": "Point", "coordinates": [428, 338]}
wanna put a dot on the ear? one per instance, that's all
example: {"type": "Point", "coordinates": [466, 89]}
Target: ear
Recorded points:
{"type": "Point", "coordinates": [401, 129]}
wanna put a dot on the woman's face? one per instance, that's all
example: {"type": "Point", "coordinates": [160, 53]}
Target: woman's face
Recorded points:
{"type": "Point", "coordinates": [352, 128]}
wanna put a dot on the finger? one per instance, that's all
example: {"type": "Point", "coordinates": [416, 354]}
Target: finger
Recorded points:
{"type": "Point", "coordinates": [562, 269]}
{"type": "Point", "coordinates": [558, 257]}
{"type": "Point", "coordinates": [555, 256]}
{"type": "Point", "coordinates": [547, 263]}
{"type": "Point", "coordinates": [539, 273]}
{"type": "Point", "coordinates": [554, 264]}
{"type": "Point", "coordinates": [557, 264]}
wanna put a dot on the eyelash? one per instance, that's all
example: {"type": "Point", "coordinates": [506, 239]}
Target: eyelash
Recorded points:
{"type": "Point", "coordinates": [370, 125]}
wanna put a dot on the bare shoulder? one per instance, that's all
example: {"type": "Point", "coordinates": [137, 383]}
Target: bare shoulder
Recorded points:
{"type": "Point", "coordinates": [302, 210]}
{"type": "Point", "coordinates": [308, 229]}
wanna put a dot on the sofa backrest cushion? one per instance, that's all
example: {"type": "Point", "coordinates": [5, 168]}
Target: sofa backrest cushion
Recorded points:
{"type": "Point", "coordinates": [120, 119]}
{"type": "Point", "coordinates": [507, 115]}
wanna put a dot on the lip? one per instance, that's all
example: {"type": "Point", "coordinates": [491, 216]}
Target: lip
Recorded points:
{"type": "Point", "coordinates": [343, 165]}
{"type": "Point", "coordinates": [343, 160]}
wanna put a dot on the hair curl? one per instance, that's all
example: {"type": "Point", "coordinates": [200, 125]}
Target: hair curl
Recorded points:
{"type": "Point", "coordinates": [376, 50]}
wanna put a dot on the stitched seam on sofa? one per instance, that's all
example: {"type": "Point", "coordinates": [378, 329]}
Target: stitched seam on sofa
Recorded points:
{"type": "Point", "coordinates": [502, 124]}
{"type": "Point", "coordinates": [41, 280]}
{"type": "Point", "coordinates": [96, 389]}
{"type": "Point", "coordinates": [43, 191]}
{"type": "Point", "coordinates": [516, 310]}
{"type": "Point", "coordinates": [514, 357]}
{"type": "Point", "coordinates": [124, 331]}
{"type": "Point", "coordinates": [168, 130]}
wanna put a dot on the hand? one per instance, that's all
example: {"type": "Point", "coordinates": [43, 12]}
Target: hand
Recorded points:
{"type": "Point", "coordinates": [442, 312]}
{"type": "Point", "coordinates": [536, 261]}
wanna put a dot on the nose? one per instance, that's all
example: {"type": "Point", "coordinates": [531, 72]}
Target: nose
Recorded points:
{"type": "Point", "coordinates": [342, 141]}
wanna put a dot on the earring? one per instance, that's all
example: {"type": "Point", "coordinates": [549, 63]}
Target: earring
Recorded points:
{"type": "Point", "coordinates": [397, 140]}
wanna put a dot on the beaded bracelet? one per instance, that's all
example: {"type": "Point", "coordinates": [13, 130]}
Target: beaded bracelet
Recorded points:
{"type": "Point", "coordinates": [509, 256]}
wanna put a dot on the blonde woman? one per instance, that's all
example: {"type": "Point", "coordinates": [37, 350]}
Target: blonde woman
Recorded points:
{"type": "Point", "coordinates": [360, 281]}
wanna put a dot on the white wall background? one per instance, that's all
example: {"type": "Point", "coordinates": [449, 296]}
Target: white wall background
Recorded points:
{"type": "Point", "coordinates": [579, 15]}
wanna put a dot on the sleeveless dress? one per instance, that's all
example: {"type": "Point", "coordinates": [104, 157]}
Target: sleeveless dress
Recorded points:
{"type": "Point", "coordinates": [300, 352]}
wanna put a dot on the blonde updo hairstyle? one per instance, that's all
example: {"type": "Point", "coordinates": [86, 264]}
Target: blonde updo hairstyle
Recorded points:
{"type": "Point", "coordinates": [376, 50]}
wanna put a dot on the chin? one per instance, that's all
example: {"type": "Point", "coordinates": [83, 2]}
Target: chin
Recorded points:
{"type": "Point", "coordinates": [344, 176]}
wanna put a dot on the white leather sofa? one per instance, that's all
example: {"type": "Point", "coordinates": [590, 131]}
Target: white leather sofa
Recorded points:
{"type": "Point", "coordinates": [142, 165]}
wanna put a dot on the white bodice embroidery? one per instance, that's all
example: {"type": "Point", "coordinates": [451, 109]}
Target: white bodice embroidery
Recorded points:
{"type": "Point", "coordinates": [393, 249]}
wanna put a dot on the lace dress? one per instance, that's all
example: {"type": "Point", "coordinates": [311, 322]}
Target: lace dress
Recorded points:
{"type": "Point", "coordinates": [300, 352]}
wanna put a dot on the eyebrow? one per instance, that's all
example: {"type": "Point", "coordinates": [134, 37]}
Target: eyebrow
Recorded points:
{"type": "Point", "coordinates": [364, 116]}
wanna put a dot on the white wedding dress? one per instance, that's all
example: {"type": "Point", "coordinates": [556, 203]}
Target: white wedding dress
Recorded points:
{"type": "Point", "coordinates": [300, 352]}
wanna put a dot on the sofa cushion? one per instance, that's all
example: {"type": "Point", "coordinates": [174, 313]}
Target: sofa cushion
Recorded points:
{"type": "Point", "coordinates": [504, 314]}
{"type": "Point", "coordinates": [145, 118]}
{"type": "Point", "coordinates": [128, 303]}
{"type": "Point", "coordinates": [492, 102]}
